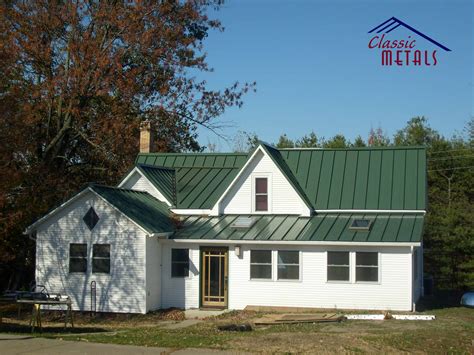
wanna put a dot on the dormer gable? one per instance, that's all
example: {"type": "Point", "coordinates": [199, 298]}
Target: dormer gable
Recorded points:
{"type": "Point", "coordinates": [157, 181]}
{"type": "Point", "coordinates": [263, 186]}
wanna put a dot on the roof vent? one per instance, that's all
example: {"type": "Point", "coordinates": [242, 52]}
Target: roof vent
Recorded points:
{"type": "Point", "coordinates": [361, 224]}
{"type": "Point", "coordinates": [243, 222]}
{"type": "Point", "coordinates": [90, 218]}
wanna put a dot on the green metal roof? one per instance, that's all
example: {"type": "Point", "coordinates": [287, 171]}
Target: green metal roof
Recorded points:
{"type": "Point", "coordinates": [383, 178]}
{"type": "Point", "coordinates": [395, 228]}
{"type": "Point", "coordinates": [145, 210]}
{"type": "Point", "coordinates": [365, 178]}
{"type": "Point", "coordinates": [162, 178]}
{"type": "Point", "coordinates": [201, 187]}
{"type": "Point", "coordinates": [193, 160]}
{"type": "Point", "coordinates": [200, 178]}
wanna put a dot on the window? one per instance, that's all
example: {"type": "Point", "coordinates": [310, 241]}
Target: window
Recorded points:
{"type": "Point", "coordinates": [260, 264]}
{"type": "Point", "coordinates": [288, 265]}
{"type": "Point", "coordinates": [77, 258]}
{"type": "Point", "coordinates": [261, 194]}
{"type": "Point", "coordinates": [90, 218]}
{"type": "Point", "coordinates": [179, 262]}
{"type": "Point", "coordinates": [338, 266]}
{"type": "Point", "coordinates": [361, 224]}
{"type": "Point", "coordinates": [101, 258]}
{"type": "Point", "coordinates": [367, 266]}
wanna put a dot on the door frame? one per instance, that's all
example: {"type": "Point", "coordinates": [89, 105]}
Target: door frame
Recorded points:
{"type": "Point", "coordinates": [201, 275]}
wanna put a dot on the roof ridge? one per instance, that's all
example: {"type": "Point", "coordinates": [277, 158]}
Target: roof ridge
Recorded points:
{"type": "Point", "coordinates": [155, 167]}
{"type": "Point", "coordinates": [92, 185]}
{"type": "Point", "coordinates": [357, 148]}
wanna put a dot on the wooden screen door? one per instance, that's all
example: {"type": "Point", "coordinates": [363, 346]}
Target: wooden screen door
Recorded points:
{"type": "Point", "coordinates": [214, 277]}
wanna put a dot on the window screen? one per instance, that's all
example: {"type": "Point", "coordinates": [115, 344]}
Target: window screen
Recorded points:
{"type": "Point", "coordinates": [261, 194]}
{"type": "Point", "coordinates": [101, 258]}
{"type": "Point", "coordinates": [338, 266]}
{"type": "Point", "coordinates": [260, 264]}
{"type": "Point", "coordinates": [367, 266]}
{"type": "Point", "coordinates": [179, 262]}
{"type": "Point", "coordinates": [288, 265]}
{"type": "Point", "coordinates": [77, 257]}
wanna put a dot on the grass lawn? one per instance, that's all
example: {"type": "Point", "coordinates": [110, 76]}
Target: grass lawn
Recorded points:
{"type": "Point", "coordinates": [451, 332]}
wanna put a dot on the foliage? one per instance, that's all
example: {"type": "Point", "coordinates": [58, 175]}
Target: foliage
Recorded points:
{"type": "Point", "coordinates": [77, 79]}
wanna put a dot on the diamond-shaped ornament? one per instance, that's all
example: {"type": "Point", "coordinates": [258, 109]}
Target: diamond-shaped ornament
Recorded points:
{"type": "Point", "coordinates": [91, 218]}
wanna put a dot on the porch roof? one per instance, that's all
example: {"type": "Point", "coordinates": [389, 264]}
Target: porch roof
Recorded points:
{"type": "Point", "coordinates": [330, 227]}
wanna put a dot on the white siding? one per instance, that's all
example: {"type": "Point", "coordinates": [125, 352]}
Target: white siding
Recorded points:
{"type": "Point", "coordinates": [392, 292]}
{"type": "Point", "coordinates": [153, 274]}
{"type": "Point", "coordinates": [180, 292]}
{"type": "Point", "coordinates": [123, 290]}
{"type": "Point", "coordinates": [138, 182]}
{"type": "Point", "coordinates": [283, 199]}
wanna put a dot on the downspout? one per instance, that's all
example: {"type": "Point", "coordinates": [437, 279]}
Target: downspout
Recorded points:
{"type": "Point", "coordinates": [413, 306]}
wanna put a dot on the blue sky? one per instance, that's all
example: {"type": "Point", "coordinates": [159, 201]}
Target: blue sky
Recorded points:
{"type": "Point", "coordinates": [315, 72]}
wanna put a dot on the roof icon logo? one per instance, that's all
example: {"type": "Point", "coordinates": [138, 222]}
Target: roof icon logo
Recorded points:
{"type": "Point", "coordinates": [393, 23]}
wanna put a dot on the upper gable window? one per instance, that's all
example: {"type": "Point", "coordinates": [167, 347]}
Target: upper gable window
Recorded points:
{"type": "Point", "coordinates": [261, 194]}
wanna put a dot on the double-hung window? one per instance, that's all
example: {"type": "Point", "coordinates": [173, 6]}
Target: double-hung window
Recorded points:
{"type": "Point", "coordinates": [367, 266]}
{"type": "Point", "coordinates": [179, 262]}
{"type": "Point", "coordinates": [288, 265]}
{"type": "Point", "coordinates": [261, 194]}
{"type": "Point", "coordinates": [101, 258]}
{"type": "Point", "coordinates": [261, 264]}
{"type": "Point", "coordinates": [338, 266]}
{"type": "Point", "coordinates": [77, 257]}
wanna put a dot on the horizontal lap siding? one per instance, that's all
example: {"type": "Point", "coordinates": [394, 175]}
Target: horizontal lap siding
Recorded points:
{"type": "Point", "coordinates": [393, 292]}
{"type": "Point", "coordinates": [123, 290]}
{"type": "Point", "coordinates": [180, 292]}
{"type": "Point", "coordinates": [283, 197]}
{"type": "Point", "coordinates": [139, 183]}
{"type": "Point", "coordinates": [153, 274]}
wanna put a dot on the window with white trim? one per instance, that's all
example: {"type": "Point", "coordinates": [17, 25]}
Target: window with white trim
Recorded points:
{"type": "Point", "coordinates": [179, 262]}
{"type": "Point", "coordinates": [261, 264]}
{"type": "Point", "coordinates": [261, 194]}
{"type": "Point", "coordinates": [101, 258]}
{"type": "Point", "coordinates": [338, 266]}
{"type": "Point", "coordinates": [367, 267]}
{"type": "Point", "coordinates": [77, 257]}
{"type": "Point", "coordinates": [288, 265]}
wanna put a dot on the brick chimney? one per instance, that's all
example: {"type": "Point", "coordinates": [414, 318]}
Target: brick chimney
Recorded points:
{"type": "Point", "coordinates": [146, 137]}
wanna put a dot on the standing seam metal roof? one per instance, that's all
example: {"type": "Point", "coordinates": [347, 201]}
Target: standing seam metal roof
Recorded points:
{"type": "Point", "coordinates": [401, 228]}
{"type": "Point", "coordinates": [388, 178]}
{"type": "Point", "coordinates": [145, 210]}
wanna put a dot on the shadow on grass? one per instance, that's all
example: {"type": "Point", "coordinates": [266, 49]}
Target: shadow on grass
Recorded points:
{"type": "Point", "coordinates": [441, 299]}
{"type": "Point", "coordinates": [26, 329]}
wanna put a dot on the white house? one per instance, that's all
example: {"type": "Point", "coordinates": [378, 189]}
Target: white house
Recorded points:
{"type": "Point", "coordinates": [332, 228]}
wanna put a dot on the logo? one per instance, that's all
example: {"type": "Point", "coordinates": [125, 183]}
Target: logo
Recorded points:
{"type": "Point", "coordinates": [403, 51]}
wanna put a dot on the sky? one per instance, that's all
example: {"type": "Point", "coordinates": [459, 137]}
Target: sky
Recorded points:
{"type": "Point", "coordinates": [315, 72]}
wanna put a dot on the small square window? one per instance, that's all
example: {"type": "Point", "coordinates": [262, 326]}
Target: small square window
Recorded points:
{"type": "Point", "coordinates": [261, 264]}
{"type": "Point", "coordinates": [361, 224]}
{"type": "Point", "coordinates": [101, 258]}
{"type": "Point", "coordinates": [77, 258]}
{"type": "Point", "coordinates": [367, 266]}
{"type": "Point", "coordinates": [288, 265]}
{"type": "Point", "coordinates": [338, 266]}
{"type": "Point", "coordinates": [179, 262]}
